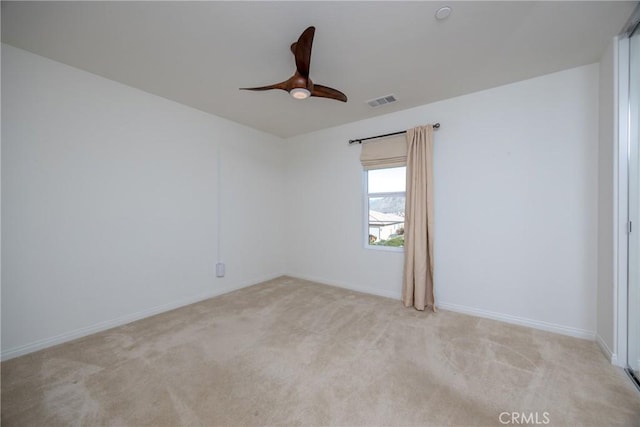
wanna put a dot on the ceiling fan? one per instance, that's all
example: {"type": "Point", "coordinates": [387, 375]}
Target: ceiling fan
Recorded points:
{"type": "Point", "coordinates": [300, 85]}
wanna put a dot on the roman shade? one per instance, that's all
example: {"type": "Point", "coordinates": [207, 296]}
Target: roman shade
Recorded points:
{"type": "Point", "coordinates": [387, 152]}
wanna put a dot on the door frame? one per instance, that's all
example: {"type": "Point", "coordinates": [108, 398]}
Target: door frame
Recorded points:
{"type": "Point", "coordinates": [621, 208]}
{"type": "Point", "coordinates": [621, 189]}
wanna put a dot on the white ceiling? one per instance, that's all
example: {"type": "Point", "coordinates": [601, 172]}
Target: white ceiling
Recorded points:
{"type": "Point", "coordinates": [200, 53]}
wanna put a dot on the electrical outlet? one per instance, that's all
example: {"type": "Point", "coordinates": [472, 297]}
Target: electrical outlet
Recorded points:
{"type": "Point", "coordinates": [220, 269]}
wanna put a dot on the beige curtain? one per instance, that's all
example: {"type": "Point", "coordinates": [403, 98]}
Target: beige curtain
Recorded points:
{"type": "Point", "coordinates": [417, 287]}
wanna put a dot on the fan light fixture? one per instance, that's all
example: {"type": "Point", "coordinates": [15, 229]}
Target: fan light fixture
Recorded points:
{"type": "Point", "coordinates": [300, 93]}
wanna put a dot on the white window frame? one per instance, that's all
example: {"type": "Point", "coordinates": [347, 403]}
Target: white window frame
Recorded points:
{"type": "Point", "coordinates": [365, 216]}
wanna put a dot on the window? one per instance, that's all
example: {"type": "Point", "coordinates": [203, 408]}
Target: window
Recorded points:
{"type": "Point", "coordinates": [384, 207]}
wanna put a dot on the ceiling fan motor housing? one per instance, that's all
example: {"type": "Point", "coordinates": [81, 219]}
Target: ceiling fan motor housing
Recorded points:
{"type": "Point", "coordinates": [298, 81]}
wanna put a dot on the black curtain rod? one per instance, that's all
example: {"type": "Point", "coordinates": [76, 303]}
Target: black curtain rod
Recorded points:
{"type": "Point", "coordinates": [359, 140]}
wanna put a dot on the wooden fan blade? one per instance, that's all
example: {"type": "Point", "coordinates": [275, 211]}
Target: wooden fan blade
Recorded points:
{"type": "Point", "coordinates": [302, 51]}
{"type": "Point", "coordinates": [328, 92]}
{"type": "Point", "coordinates": [281, 85]}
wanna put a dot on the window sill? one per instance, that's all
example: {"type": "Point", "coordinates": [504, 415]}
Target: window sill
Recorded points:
{"type": "Point", "coordinates": [384, 248]}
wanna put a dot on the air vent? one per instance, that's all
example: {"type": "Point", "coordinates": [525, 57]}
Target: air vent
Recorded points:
{"type": "Point", "coordinates": [382, 101]}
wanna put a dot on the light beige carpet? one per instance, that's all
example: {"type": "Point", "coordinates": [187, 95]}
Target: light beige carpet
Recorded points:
{"type": "Point", "coordinates": [290, 352]}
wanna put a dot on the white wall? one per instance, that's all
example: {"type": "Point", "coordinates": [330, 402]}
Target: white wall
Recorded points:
{"type": "Point", "coordinates": [515, 203]}
{"type": "Point", "coordinates": [606, 151]}
{"type": "Point", "coordinates": [109, 203]}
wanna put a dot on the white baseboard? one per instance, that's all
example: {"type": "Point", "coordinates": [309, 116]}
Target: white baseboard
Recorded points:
{"type": "Point", "coordinates": [536, 324]}
{"type": "Point", "coordinates": [102, 326]}
{"type": "Point", "coordinates": [521, 321]}
{"type": "Point", "coordinates": [363, 289]}
{"type": "Point", "coordinates": [611, 356]}
{"type": "Point", "coordinates": [507, 318]}
{"type": "Point", "coordinates": [123, 320]}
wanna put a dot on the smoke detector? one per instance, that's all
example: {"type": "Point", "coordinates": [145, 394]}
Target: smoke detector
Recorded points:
{"type": "Point", "coordinates": [443, 13]}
